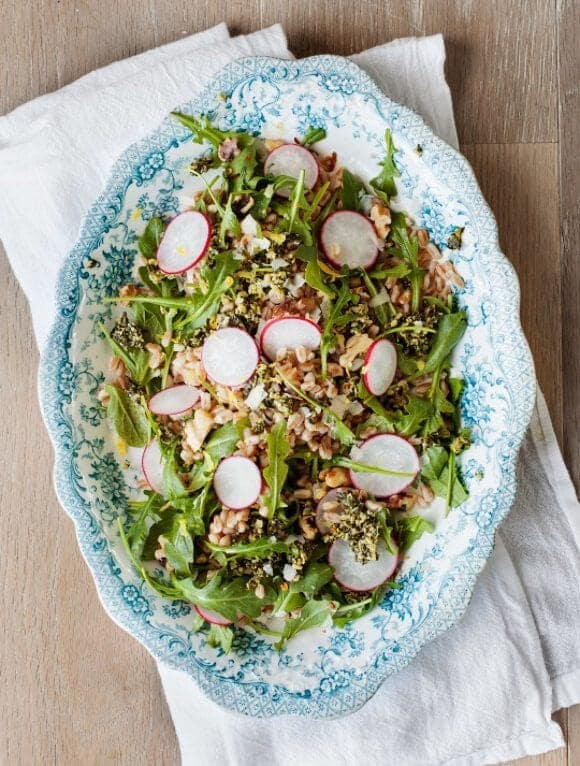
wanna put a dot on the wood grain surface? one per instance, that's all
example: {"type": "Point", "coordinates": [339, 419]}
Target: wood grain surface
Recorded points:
{"type": "Point", "coordinates": [75, 688]}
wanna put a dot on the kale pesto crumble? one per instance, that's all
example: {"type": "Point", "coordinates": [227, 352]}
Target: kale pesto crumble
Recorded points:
{"type": "Point", "coordinates": [333, 397]}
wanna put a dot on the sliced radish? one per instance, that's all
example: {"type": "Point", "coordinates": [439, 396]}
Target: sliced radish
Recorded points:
{"type": "Point", "coordinates": [390, 452]}
{"type": "Point", "coordinates": [230, 356]}
{"type": "Point", "coordinates": [289, 333]}
{"type": "Point", "coordinates": [380, 366]}
{"type": "Point", "coordinates": [184, 243]}
{"type": "Point", "coordinates": [349, 239]}
{"type": "Point", "coordinates": [237, 482]}
{"type": "Point", "coordinates": [152, 465]}
{"type": "Point", "coordinates": [215, 618]}
{"type": "Point", "coordinates": [326, 507]}
{"type": "Point", "coordinates": [361, 577]}
{"type": "Point", "coordinates": [173, 400]}
{"type": "Point", "coordinates": [289, 160]}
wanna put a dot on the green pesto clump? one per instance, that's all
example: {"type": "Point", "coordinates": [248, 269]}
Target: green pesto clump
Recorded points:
{"type": "Point", "coordinates": [358, 525]}
{"type": "Point", "coordinates": [418, 341]}
{"type": "Point", "coordinates": [127, 334]}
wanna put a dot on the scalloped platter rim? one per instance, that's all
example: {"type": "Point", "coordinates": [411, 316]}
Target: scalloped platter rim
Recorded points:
{"type": "Point", "coordinates": [329, 671]}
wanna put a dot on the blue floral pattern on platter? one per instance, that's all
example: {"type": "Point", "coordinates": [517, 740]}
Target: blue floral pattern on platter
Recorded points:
{"type": "Point", "coordinates": [328, 671]}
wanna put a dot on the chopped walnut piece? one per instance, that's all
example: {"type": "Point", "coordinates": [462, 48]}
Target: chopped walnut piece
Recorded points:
{"type": "Point", "coordinates": [155, 355]}
{"type": "Point", "coordinates": [196, 429]}
{"type": "Point", "coordinates": [381, 217]}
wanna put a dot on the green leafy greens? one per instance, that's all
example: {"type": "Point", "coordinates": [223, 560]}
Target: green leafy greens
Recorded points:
{"type": "Point", "coordinates": [276, 471]}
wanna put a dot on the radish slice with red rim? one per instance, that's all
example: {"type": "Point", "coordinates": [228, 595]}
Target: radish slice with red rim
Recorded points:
{"type": "Point", "coordinates": [230, 356]}
{"type": "Point", "coordinates": [215, 618]}
{"type": "Point", "coordinates": [173, 400]}
{"type": "Point", "coordinates": [152, 465]}
{"type": "Point", "coordinates": [355, 576]}
{"type": "Point", "coordinates": [237, 482]}
{"type": "Point", "coordinates": [289, 160]}
{"type": "Point", "coordinates": [380, 366]}
{"type": "Point", "coordinates": [184, 243]}
{"type": "Point", "coordinates": [388, 452]}
{"type": "Point", "coordinates": [289, 333]}
{"type": "Point", "coordinates": [349, 239]}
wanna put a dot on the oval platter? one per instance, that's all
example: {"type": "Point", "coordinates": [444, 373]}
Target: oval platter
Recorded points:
{"type": "Point", "coordinates": [328, 671]}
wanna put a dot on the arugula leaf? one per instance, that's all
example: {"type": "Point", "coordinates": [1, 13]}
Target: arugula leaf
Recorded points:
{"type": "Point", "coordinates": [148, 318]}
{"type": "Point", "coordinates": [276, 471]}
{"type": "Point", "coordinates": [313, 579]}
{"type": "Point", "coordinates": [407, 364]}
{"type": "Point", "coordinates": [313, 613]}
{"type": "Point", "coordinates": [418, 411]}
{"type": "Point", "coordinates": [178, 548]}
{"type": "Point", "coordinates": [138, 532]}
{"type": "Point", "coordinates": [313, 135]}
{"type": "Point", "coordinates": [456, 386]}
{"type": "Point", "coordinates": [379, 423]}
{"type": "Point", "coordinates": [259, 549]}
{"type": "Point", "coordinates": [348, 612]}
{"type": "Point", "coordinates": [449, 332]}
{"type": "Point", "coordinates": [162, 587]}
{"type": "Point", "coordinates": [440, 473]}
{"type": "Point", "coordinates": [128, 417]}
{"type": "Point", "coordinates": [340, 430]}
{"type": "Point", "coordinates": [201, 474]}
{"type": "Point", "coordinates": [262, 200]}
{"type": "Point", "coordinates": [164, 287]}
{"type": "Point", "coordinates": [223, 441]}
{"type": "Point", "coordinates": [241, 168]}
{"type": "Point", "coordinates": [220, 635]}
{"type": "Point", "coordinates": [399, 271]}
{"type": "Point", "coordinates": [352, 190]}
{"type": "Point", "coordinates": [205, 301]}
{"type": "Point", "coordinates": [202, 129]}
{"type": "Point", "coordinates": [296, 199]}
{"type": "Point", "coordinates": [150, 240]}
{"type": "Point", "coordinates": [440, 405]}
{"type": "Point", "coordinates": [313, 271]}
{"type": "Point", "coordinates": [335, 317]}
{"type": "Point", "coordinates": [136, 360]}
{"type": "Point", "coordinates": [167, 518]}
{"type": "Point", "coordinates": [384, 184]}
{"type": "Point", "coordinates": [314, 279]}
{"type": "Point", "coordinates": [197, 623]}
{"type": "Point", "coordinates": [193, 509]}
{"type": "Point", "coordinates": [383, 310]}
{"type": "Point", "coordinates": [229, 223]}
{"type": "Point", "coordinates": [411, 528]}
{"type": "Point", "coordinates": [435, 459]}
{"type": "Point", "coordinates": [325, 211]}
{"type": "Point", "coordinates": [229, 598]}
{"type": "Point", "coordinates": [384, 519]}
{"type": "Point", "coordinates": [172, 485]}
{"type": "Point", "coordinates": [295, 211]}
{"type": "Point", "coordinates": [375, 406]}
{"type": "Point", "coordinates": [354, 465]}
{"type": "Point", "coordinates": [408, 250]}
{"type": "Point", "coordinates": [316, 200]}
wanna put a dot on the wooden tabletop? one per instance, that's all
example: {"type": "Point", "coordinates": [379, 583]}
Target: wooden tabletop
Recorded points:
{"type": "Point", "coordinates": [75, 688]}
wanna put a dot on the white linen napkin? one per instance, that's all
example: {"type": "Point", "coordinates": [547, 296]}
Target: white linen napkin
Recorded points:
{"type": "Point", "coordinates": [481, 693]}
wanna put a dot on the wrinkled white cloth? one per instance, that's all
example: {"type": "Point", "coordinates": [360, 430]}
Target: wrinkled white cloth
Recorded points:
{"type": "Point", "coordinates": [483, 692]}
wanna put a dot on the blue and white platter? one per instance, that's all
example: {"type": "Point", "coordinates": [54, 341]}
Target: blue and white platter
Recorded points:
{"type": "Point", "coordinates": [328, 671]}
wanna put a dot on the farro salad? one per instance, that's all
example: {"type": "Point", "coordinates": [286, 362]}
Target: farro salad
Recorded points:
{"type": "Point", "coordinates": [283, 362]}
